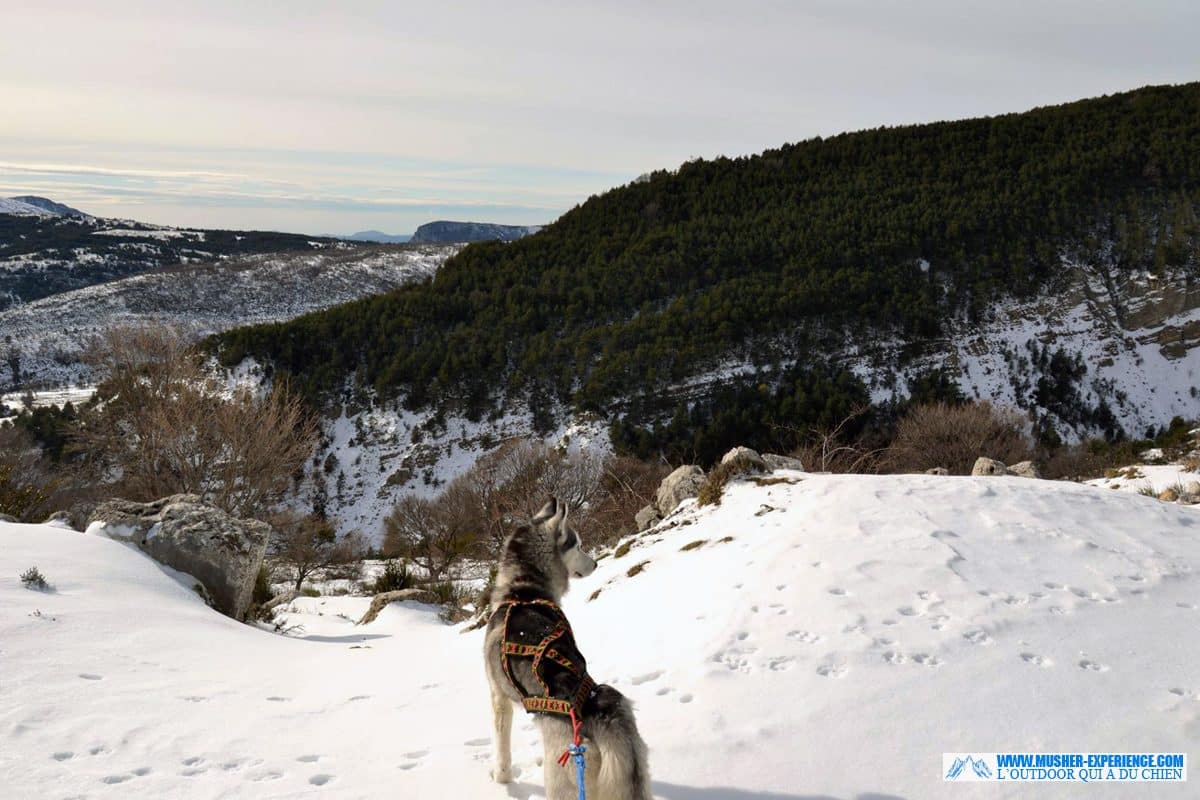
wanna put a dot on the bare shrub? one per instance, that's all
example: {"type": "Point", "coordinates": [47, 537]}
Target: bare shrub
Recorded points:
{"type": "Point", "coordinates": [306, 544]}
{"type": "Point", "coordinates": [25, 483]}
{"type": "Point", "coordinates": [836, 449]}
{"type": "Point", "coordinates": [954, 436]}
{"type": "Point", "coordinates": [433, 534]}
{"type": "Point", "coordinates": [166, 426]}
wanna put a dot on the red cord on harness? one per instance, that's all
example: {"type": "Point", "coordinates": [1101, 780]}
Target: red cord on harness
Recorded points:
{"type": "Point", "coordinates": [576, 726]}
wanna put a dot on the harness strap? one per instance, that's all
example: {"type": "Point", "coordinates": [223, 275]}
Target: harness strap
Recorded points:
{"type": "Point", "coordinates": [538, 652]}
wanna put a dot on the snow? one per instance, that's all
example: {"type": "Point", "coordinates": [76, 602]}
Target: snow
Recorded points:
{"type": "Point", "coordinates": [850, 630]}
{"type": "Point", "coordinates": [22, 209]}
{"type": "Point", "coordinates": [1139, 477]}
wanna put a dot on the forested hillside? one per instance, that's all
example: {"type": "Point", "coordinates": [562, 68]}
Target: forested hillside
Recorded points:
{"type": "Point", "coordinates": [882, 232]}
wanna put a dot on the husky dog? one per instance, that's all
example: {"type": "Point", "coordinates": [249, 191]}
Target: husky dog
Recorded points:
{"type": "Point", "coordinates": [535, 565]}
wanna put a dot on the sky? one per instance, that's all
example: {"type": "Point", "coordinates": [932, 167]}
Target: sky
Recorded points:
{"type": "Point", "coordinates": [334, 117]}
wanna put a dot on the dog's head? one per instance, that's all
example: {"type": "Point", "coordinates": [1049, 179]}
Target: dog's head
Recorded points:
{"type": "Point", "coordinates": [553, 521]}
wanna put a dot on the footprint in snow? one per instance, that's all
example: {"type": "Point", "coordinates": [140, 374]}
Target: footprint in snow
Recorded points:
{"type": "Point", "coordinates": [265, 775]}
{"type": "Point", "coordinates": [111, 779]}
{"type": "Point", "coordinates": [482, 742]}
{"type": "Point", "coordinates": [88, 676]}
{"type": "Point", "coordinates": [927, 660]}
{"type": "Point", "coordinates": [1036, 660]}
{"type": "Point", "coordinates": [838, 591]}
{"type": "Point", "coordinates": [685, 698]}
{"type": "Point", "coordinates": [977, 637]}
{"type": "Point", "coordinates": [664, 691]}
{"type": "Point", "coordinates": [908, 611]}
{"type": "Point", "coordinates": [832, 670]}
{"type": "Point", "coordinates": [894, 658]}
{"type": "Point", "coordinates": [804, 637]}
{"type": "Point", "coordinates": [320, 779]}
{"type": "Point", "coordinates": [638, 680]}
{"type": "Point", "coordinates": [279, 699]}
{"type": "Point", "coordinates": [415, 754]}
{"type": "Point", "coordinates": [309, 759]}
{"type": "Point", "coordinates": [1092, 666]}
{"type": "Point", "coordinates": [780, 663]}
{"type": "Point", "coordinates": [1176, 691]}
{"type": "Point", "coordinates": [65, 755]}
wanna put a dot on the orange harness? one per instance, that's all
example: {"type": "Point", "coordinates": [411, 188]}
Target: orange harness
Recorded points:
{"type": "Point", "coordinates": [541, 653]}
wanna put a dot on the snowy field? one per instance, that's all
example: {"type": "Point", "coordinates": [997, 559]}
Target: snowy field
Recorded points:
{"type": "Point", "coordinates": [826, 637]}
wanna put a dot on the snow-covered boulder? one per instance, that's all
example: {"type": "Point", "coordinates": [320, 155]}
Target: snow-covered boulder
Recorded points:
{"type": "Point", "coordinates": [746, 459]}
{"type": "Point", "coordinates": [989, 466]}
{"type": "Point", "coordinates": [1024, 469]}
{"type": "Point", "coordinates": [775, 462]}
{"type": "Point", "coordinates": [647, 518]}
{"type": "Point", "coordinates": [678, 486]}
{"type": "Point", "coordinates": [1191, 487]}
{"type": "Point", "coordinates": [223, 553]}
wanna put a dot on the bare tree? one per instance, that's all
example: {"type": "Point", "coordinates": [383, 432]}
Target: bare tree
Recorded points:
{"type": "Point", "coordinates": [307, 544]}
{"type": "Point", "coordinates": [432, 534]}
{"type": "Point", "coordinates": [166, 425]}
{"type": "Point", "coordinates": [953, 436]}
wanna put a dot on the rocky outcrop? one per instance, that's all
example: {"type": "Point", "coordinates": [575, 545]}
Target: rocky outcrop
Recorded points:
{"type": "Point", "coordinates": [60, 519]}
{"type": "Point", "coordinates": [1024, 469]}
{"type": "Point", "coordinates": [681, 484]}
{"type": "Point", "coordinates": [445, 231]}
{"type": "Point", "coordinates": [223, 553]}
{"type": "Point", "coordinates": [647, 518]}
{"type": "Point", "coordinates": [989, 466]}
{"type": "Point", "coordinates": [744, 460]}
{"type": "Point", "coordinates": [774, 462]}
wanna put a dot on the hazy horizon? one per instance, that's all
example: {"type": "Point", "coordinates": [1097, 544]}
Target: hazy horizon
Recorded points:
{"type": "Point", "coordinates": [371, 115]}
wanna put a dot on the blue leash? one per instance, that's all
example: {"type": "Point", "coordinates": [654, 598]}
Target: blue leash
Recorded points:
{"type": "Point", "coordinates": [576, 751]}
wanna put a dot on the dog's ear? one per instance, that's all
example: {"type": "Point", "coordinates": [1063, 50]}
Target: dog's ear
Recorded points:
{"type": "Point", "coordinates": [548, 511]}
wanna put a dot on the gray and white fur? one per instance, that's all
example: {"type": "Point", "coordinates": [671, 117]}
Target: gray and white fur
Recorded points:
{"type": "Point", "coordinates": [537, 561]}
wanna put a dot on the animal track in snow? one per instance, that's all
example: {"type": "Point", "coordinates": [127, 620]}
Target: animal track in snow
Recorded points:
{"type": "Point", "coordinates": [309, 759]}
{"type": "Point", "coordinates": [664, 690]}
{"type": "Point", "coordinates": [416, 754]}
{"type": "Point", "coordinates": [65, 755]}
{"type": "Point", "coordinates": [686, 697]}
{"type": "Point", "coordinates": [977, 637]}
{"type": "Point", "coordinates": [265, 775]}
{"type": "Point", "coordinates": [275, 699]}
{"type": "Point", "coordinates": [88, 676]}
{"type": "Point", "coordinates": [780, 663]}
{"type": "Point", "coordinates": [481, 742]}
{"type": "Point", "coordinates": [908, 611]}
{"type": "Point", "coordinates": [927, 660]}
{"type": "Point", "coordinates": [111, 779]}
{"type": "Point", "coordinates": [320, 779]}
{"type": "Point", "coordinates": [837, 591]}
{"type": "Point", "coordinates": [638, 680]}
{"type": "Point", "coordinates": [892, 657]}
{"type": "Point", "coordinates": [1036, 660]}
{"type": "Point", "coordinates": [804, 637]}
{"type": "Point", "coordinates": [1092, 666]}
{"type": "Point", "coordinates": [832, 670]}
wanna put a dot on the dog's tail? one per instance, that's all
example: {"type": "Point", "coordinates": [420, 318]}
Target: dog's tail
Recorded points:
{"type": "Point", "coordinates": [624, 771]}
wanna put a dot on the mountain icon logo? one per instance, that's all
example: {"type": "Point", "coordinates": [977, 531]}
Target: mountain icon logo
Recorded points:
{"type": "Point", "coordinates": [978, 765]}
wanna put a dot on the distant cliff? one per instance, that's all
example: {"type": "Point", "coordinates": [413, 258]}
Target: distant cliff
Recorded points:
{"type": "Point", "coordinates": [444, 231]}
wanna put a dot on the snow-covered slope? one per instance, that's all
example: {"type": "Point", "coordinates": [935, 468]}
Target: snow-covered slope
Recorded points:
{"type": "Point", "coordinates": [820, 637]}
{"type": "Point", "coordinates": [206, 298]}
{"type": "Point", "coordinates": [20, 208]}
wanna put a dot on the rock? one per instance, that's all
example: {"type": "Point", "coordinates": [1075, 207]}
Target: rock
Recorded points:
{"type": "Point", "coordinates": [7, 518]}
{"type": "Point", "coordinates": [647, 518]}
{"type": "Point", "coordinates": [746, 459]}
{"type": "Point", "coordinates": [384, 599]}
{"type": "Point", "coordinates": [775, 462]}
{"type": "Point", "coordinates": [678, 486]}
{"type": "Point", "coordinates": [60, 519]}
{"type": "Point", "coordinates": [937, 471]}
{"type": "Point", "coordinates": [223, 553]}
{"type": "Point", "coordinates": [1191, 487]}
{"type": "Point", "coordinates": [1168, 495]}
{"type": "Point", "coordinates": [1189, 499]}
{"type": "Point", "coordinates": [1024, 469]}
{"type": "Point", "coordinates": [989, 466]}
